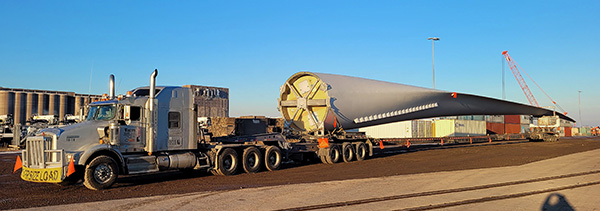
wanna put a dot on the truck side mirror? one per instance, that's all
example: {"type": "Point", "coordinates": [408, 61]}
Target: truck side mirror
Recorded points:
{"type": "Point", "coordinates": [127, 112]}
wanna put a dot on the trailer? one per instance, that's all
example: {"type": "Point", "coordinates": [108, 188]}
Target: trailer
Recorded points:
{"type": "Point", "coordinates": [157, 128]}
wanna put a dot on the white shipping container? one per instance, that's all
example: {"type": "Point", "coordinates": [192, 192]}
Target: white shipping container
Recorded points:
{"type": "Point", "coordinates": [526, 119]}
{"type": "Point", "coordinates": [575, 131]}
{"type": "Point", "coordinates": [457, 128]}
{"type": "Point", "coordinates": [404, 129]}
{"type": "Point", "coordinates": [494, 118]}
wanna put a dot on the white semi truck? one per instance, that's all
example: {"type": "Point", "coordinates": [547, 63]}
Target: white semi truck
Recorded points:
{"type": "Point", "coordinates": [149, 130]}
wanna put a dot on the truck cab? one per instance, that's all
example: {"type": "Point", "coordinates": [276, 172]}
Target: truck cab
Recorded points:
{"type": "Point", "coordinates": [147, 130]}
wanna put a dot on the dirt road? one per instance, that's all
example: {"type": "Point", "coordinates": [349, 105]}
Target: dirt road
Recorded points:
{"type": "Point", "coordinates": [15, 193]}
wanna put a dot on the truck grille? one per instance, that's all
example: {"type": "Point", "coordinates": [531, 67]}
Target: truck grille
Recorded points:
{"type": "Point", "coordinates": [39, 154]}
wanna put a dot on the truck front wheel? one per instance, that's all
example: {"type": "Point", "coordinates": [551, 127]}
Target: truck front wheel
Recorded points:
{"type": "Point", "coordinates": [101, 173]}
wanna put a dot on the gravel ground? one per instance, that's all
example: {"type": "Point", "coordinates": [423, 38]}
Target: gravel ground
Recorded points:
{"type": "Point", "coordinates": [15, 193]}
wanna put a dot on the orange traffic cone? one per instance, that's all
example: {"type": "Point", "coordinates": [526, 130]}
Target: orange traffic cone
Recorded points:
{"type": "Point", "coordinates": [381, 144]}
{"type": "Point", "coordinates": [18, 164]}
{"type": "Point", "coordinates": [71, 168]}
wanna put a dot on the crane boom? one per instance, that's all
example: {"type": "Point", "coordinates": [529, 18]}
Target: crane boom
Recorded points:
{"type": "Point", "coordinates": [515, 71]}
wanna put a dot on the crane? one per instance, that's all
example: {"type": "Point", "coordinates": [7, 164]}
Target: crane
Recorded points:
{"type": "Point", "coordinates": [514, 67]}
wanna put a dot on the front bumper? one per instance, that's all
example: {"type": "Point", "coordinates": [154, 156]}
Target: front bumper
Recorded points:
{"type": "Point", "coordinates": [41, 163]}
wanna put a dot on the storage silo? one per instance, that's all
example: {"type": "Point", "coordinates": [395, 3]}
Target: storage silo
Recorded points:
{"type": "Point", "coordinates": [78, 104]}
{"type": "Point", "coordinates": [7, 102]}
{"type": "Point", "coordinates": [63, 106]}
{"type": "Point", "coordinates": [32, 105]}
{"type": "Point", "coordinates": [42, 104]}
{"type": "Point", "coordinates": [20, 107]}
{"type": "Point", "coordinates": [53, 104]}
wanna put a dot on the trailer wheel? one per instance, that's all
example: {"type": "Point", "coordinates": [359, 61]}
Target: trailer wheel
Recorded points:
{"type": "Point", "coordinates": [347, 152]}
{"type": "Point", "coordinates": [323, 159]}
{"type": "Point", "coordinates": [361, 151]}
{"type": "Point", "coordinates": [101, 173]}
{"type": "Point", "coordinates": [227, 164]}
{"type": "Point", "coordinates": [334, 154]}
{"type": "Point", "coordinates": [251, 160]}
{"type": "Point", "coordinates": [272, 158]}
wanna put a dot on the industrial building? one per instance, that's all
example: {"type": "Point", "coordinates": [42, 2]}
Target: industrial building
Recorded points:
{"type": "Point", "coordinates": [22, 104]}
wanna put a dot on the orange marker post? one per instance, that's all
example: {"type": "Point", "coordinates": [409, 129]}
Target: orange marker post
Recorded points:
{"type": "Point", "coordinates": [71, 168]}
{"type": "Point", "coordinates": [381, 144]}
{"type": "Point", "coordinates": [407, 143]}
{"type": "Point", "coordinates": [18, 164]}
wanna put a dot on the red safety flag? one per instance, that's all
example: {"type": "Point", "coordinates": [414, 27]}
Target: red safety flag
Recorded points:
{"type": "Point", "coordinates": [18, 164]}
{"type": "Point", "coordinates": [71, 168]}
{"type": "Point", "coordinates": [454, 94]}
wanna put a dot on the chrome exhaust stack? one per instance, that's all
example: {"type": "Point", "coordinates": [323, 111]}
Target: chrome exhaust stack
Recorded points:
{"type": "Point", "coordinates": [152, 118]}
{"type": "Point", "coordinates": [111, 87]}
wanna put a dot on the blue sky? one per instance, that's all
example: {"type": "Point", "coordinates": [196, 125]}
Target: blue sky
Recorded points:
{"type": "Point", "coordinates": [252, 47]}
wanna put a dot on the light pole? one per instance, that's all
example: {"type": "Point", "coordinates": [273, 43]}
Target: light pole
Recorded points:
{"type": "Point", "coordinates": [433, 39]}
{"type": "Point", "coordinates": [581, 124]}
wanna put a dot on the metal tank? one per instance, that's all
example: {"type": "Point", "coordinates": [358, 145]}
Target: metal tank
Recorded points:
{"type": "Point", "coordinates": [7, 102]}
{"type": "Point", "coordinates": [20, 107]}
{"type": "Point", "coordinates": [32, 104]}
{"type": "Point", "coordinates": [42, 104]}
{"type": "Point", "coordinates": [320, 103]}
{"type": "Point", "coordinates": [63, 109]}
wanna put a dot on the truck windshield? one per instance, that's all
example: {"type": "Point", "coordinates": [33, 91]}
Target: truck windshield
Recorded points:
{"type": "Point", "coordinates": [101, 112]}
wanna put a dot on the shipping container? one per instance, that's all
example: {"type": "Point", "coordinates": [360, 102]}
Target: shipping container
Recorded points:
{"type": "Point", "coordinates": [404, 129]}
{"type": "Point", "coordinates": [564, 131]}
{"type": "Point", "coordinates": [494, 118]}
{"type": "Point", "coordinates": [512, 119]}
{"type": "Point", "coordinates": [575, 131]}
{"type": "Point", "coordinates": [512, 128]}
{"type": "Point", "coordinates": [524, 128]}
{"type": "Point", "coordinates": [494, 128]}
{"type": "Point", "coordinates": [454, 128]}
{"type": "Point", "coordinates": [565, 123]}
{"type": "Point", "coordinates": [526, 119]}
{"type": "Point", "coordinates": [472, 117]}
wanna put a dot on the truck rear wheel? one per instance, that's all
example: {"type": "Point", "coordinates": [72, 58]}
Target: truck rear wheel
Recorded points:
{"type": "Point", "coordinates": [361, 151]}
{"type": "Point", "coordinates": [251, 160]}
{"type": "Point", "coordinates": [347, 153]}
{"type": "Point", "coordinates": [272, 158]}
{"type": "Point", "coordinates": [334, 154]}
{"type": "Point", "coordinates": [101, 173]}
{"type": "Point", "coordinates": [227, 162]}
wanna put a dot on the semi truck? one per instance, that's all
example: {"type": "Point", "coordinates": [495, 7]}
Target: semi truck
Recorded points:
{"type": "Point", "coordinates": [156, 128]}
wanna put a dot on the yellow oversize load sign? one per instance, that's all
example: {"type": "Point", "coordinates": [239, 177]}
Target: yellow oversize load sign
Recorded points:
{"type": "Point", "coordinates": [53, 175]}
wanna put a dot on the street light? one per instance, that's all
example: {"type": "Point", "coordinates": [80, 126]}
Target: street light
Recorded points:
{"type": "Point", "coordinates": [433, 39]}
{"type": "Point", "coordinates": [581, 124]}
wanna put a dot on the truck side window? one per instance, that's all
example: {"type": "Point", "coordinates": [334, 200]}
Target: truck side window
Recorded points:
{"type": "Point", "coordinates": [135, 113]}
{"type": "Point", "coordinates": [174, 119]}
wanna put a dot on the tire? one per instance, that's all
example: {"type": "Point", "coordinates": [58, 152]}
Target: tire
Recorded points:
{"type": "Point", "coordinates": [272, 158]}
{"type": "Point", "coordinates": [101, 173]}
{"type": "Point", "coordinates": [228, 162]}
{"type": "Point", "coordinates": [251, 160]}
{"type": "Point", "coordinates": [361, 151]}
{"type": "Point", "coordinates": [347, 153]}
{"type": "Point", "coordinates": [334, 154]}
